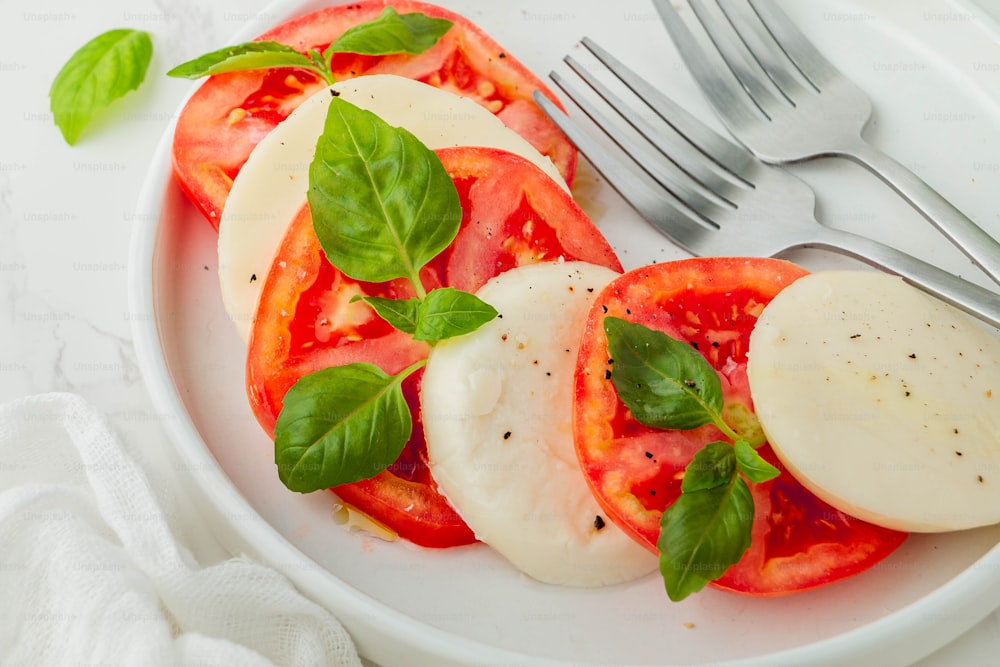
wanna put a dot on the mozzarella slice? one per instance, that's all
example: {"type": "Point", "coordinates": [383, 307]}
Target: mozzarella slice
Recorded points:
{"type": "Point", "coordinates": [270, 188]}
{"type": "Point", "coordinates": [881, 400]}
{"type": "Point", "coordinates": [497, 407]}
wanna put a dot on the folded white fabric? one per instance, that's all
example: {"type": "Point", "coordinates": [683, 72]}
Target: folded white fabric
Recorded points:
{"type": "Point", "coordinates": [91, 574]}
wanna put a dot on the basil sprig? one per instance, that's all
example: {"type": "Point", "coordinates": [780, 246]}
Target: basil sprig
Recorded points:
{"type": "Point", "coordinates": [382, 207]}
{"type": "Point", "coordinates": [668, 385]}
{"type": "Point", "coordinates": [389, 34]}
{"type": "Point", "coordinates": [98, 73]}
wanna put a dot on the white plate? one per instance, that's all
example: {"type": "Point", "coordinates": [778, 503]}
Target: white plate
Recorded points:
{"type": "Point", "coordinates": [931, 70]}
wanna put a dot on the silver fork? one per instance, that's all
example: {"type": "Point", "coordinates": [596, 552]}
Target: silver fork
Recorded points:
{"type": "Point", "coordinates": [712, 197]}
{"type": "Point", "coordinates": [785, 102]}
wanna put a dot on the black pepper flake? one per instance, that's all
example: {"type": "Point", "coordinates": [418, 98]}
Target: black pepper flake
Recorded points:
{"type": "Point", "coordinates": [607, 375]}
{"type": "Point", "coordinates": [913, 356]}
{"type": "Point", "coordinates": [652, 492]}
{"type": "Point", "coordinates": [855, 336]}
{"type": "Point", "coordinates": [715, 343]}
{"type": "Point", "coordinates": [502, 55]}
{"type": "Point", "coordinates": [980, 478]}
{"type": "Point", "coordinates": [690, 383]}
{"type": "Point", "coordinates": [590, 289]}
{"type": "Point", "coordinates": [605, 308]}
{"type": "Point", "coordinates": [205, 267]}
{"type": "Point", "coordinates": [958, 453]}
{"type": "Point", "coordinates": [334, 93]}
{"type": "Point", "coordinates": [649, 455]}
{"type": "Point", "coordinates": [253, 277]}
{"type": "Point", "coordinates": [598, 522]}
{"type": "Point", "coordinates": [694, 344]}
{"type": "Point", "coordinates": [506, 435]}
{"type": "Point", "coordinates": [955, 431]}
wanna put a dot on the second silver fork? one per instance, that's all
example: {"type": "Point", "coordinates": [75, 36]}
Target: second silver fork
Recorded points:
{"type": "Point", "coordinates": [781, 98]}
{"type": "Point", "coordinates": [713, 197]}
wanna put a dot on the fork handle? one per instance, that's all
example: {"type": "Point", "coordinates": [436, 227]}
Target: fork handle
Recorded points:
{"type": "Point", "coordinates": [981, 248]}
{"type": "Point", "coordinates": [969, 297]}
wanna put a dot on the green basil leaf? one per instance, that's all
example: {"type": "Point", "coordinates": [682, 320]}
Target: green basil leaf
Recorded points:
{"type": "Point", "coordinates": [448, 312]}
{"type": "Point", "coordinates": [391, 33]}
{"type": "Point", "coordinates": [752, 464]}
{"type": "Point", "coordinates": [702, 534]}
{"type": "Point", "coordinates": [665, 383]}
{"type": "Point", "coordinates": [382, 203]}
{"type": "Point", "coordinates": [246, 56]}
{"type": "Point", "coordinates": [101, 71]}
{"type": "Point", "coordinates": [400, 313]}
{"type": "Point", "coordinates": [713, 465]}
{"type": "Point", "coordinates": [340, 425]}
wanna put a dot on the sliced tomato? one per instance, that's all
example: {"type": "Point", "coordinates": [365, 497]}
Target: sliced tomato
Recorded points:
{"type": "Point", "coordinates": [513, 214]}
{"type": "Point", "coordinates": [798, 541]}
{"type": "Point", "coordinates": [230, 113]}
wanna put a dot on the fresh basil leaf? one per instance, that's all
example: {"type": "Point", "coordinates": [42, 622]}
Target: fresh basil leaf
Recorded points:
{"type": "Point", "coordinates": [340, 425]}
{"type": "Point", "coordinates": [400, 313]}
{"type": "Point", "coordinates": [713, 465]}
{"type": "Point", "coordinates": [391, 33]}
{"type": "Point", "coordinates": [702, 534]}
{"type": "Point", "coordinates": [246, 56]}
{"type": "Point", "coordinates": [382, 203]}
{"type": "Point", "coordinates": [665, 383]}
{"type": "Point", "coordinates": [101, 71]}
{"type": "Point", "coordinates": [752, 464]}
{"type": "Point", "coordinates": [448, 312]}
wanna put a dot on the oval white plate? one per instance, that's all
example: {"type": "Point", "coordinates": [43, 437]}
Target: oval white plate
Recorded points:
{"type": "Point", "coordinates": [931, 70]}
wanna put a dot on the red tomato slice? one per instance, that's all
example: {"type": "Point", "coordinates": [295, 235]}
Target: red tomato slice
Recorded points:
{"type": "Point", "coordinates": [799, 542]}
{"type": "Point", "coordinates": [230, 113]}
{"type": "Point", "coordinates": [513, 214]}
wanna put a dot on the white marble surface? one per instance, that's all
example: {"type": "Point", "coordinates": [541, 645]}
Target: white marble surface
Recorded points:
{"type": "Point", "coordinates": [66, 215]}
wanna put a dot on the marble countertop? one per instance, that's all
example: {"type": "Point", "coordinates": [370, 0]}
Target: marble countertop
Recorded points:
{"type": "Point", "coordinates": [67, 215]}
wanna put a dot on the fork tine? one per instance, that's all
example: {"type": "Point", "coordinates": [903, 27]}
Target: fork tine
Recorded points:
{"type": "Point", "coordinates": [740, 61]}
{"type": "Point", "coordinates": [728, 155]}
{"type": "Point", "coordinates": [654, 203]}
{"type": "Point", "coordinates": [694, 172]}
{"type": "Point", "coordinates": [768, 54]}
{"type": "Point", "coordinates": [725, 94]}
{"type": "Point", "coordinates": [806, 57]}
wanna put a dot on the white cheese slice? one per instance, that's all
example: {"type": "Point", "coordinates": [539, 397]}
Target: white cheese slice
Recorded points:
{"type": "Point", "coordinates": [497, 410]}
{"type": "Point", "coordinates": [881, 400]}
{"type": "Point", "coordinates": [270, 188]}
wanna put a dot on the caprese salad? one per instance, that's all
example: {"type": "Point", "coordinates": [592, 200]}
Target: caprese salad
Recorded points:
{"type": "Point", "coordinates": [437, 332]}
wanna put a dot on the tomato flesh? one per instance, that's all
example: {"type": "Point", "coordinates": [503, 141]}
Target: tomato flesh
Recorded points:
{"type": "Point", "coordinates": [230, 113]}
{"type": "Point", "coordinates": [635, 471]}
{"type": "Point", "coordinates": [306, 320]}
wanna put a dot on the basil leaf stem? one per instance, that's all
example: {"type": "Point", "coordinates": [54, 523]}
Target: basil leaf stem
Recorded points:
{"type": "Point", "coordinates": [382, 206]}
{"type": "Point", "coordinates": [98, 73]}
{"type": "Point", "coordinates": [667, 384]}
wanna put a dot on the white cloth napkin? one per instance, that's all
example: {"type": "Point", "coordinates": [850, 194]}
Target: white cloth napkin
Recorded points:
{"type": "Point", "coordinates": [91, 574]}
